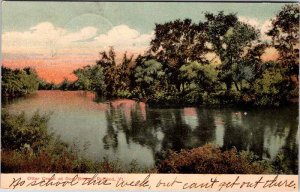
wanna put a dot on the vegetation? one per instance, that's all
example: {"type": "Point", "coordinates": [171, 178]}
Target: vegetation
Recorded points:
{"type": "Point", "coordinates": [285, 38]}
{"type": "Point", "coordinates": [177, 70]}
{"type": "Point", "coordinates": [43, 85]}
{"type": "Point", "coordinates": [18, 82]}
{"type": "Point", "coordinates": [211, 160]}
{"type": "Point", "coordinates": [16, 131]}
{"type": "Point", "coordinates": [214, 62]}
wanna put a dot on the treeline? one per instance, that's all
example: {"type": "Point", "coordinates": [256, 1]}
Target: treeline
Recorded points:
{"type": "Point", "coordinates": [216, 61]}
{"type": "Point", "coordinates": [18, 82]}
{"type": "Point", "coordinates": [21, 82]}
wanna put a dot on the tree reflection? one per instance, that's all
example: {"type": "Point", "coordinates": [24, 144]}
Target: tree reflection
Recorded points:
{"type": "Point", "coordinates": [205, 132]}
{"type": "Point", "coordinates": [110, 140]}
{"type": "Point", "coordinates": [176, 132]}
{"type": "Point", "coordinates": [262, 131]}
{"type": "Point", "coordinates": [235, 135]}
{"type": "Point", "coordinates": [265, 132]}
{"type": "Point", "coordinates": [290, 148]}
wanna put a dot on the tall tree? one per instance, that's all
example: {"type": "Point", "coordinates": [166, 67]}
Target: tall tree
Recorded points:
{"type": "Point", "coordinates": [230, 40]}
{"type": "Point", "coordinates": [108, 62]}
{"type": "Point", "coordinates": [177, 43]}
{"type": "Point", "coordinates": [285, 38]}
{"type": "Point", "coordinates": [123, 73]}
{"type": "Point", "coordinates": [90, 78]}
{"type": "Point", "coordinates": [250, 65]}
{"type": "Point", "coordinates": [83, 75]}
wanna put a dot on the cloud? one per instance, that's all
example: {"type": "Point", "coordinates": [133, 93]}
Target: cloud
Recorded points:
{"type": "Point", "coordinates": [45, 39]}
{"type": "Point", "coordinates": [55, 52]}
{"type": "Point", "coordinates": [263, 27]}
{"type": "Point", "coordinates": [251, 21]}
{"type": "Point", "coordinates": [123, 37]}
{"type": "Point", "coordinates": [83, 34]}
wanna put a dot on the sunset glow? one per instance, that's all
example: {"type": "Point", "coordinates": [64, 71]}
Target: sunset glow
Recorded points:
{"type": "Point", "coordinates": [55, 50]}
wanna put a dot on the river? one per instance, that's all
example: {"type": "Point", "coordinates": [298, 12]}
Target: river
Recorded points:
{"type": "Point", "coordinates": [128, 130]}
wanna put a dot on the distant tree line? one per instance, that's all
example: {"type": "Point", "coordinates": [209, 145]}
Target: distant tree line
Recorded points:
{"type": "Point", "coordinates": [18, 82]}
{"type": "Point", "coordinates": [21, 82]}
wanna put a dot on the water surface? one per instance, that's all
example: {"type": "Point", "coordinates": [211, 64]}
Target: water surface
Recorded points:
{"type": "Point", "coordinates": [128, 130]}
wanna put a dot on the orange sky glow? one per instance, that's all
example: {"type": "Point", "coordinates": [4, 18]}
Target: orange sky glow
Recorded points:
{"type": "Point", "coordinates": [51, 71]}
{"type": "Point", "coordinates": [58, 68]}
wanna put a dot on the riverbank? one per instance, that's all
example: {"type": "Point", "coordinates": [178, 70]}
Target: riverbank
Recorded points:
{"type": "Point", "coordinates": [214, 100]}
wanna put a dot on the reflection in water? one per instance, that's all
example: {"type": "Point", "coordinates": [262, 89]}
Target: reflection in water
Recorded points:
{"type": "Point", "coordinates": [128, 130]}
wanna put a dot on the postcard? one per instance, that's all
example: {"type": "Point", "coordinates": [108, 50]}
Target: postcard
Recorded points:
{"type": "Point", "coordinates": [150, 95]}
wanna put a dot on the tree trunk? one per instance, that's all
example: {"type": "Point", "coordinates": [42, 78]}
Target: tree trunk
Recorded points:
{"type": "Point", "coordinates": [228, 86]}
{"type": "Point", "coordinates": [236, 86]}
{"type": "Point", "coordinates": [178, 86]}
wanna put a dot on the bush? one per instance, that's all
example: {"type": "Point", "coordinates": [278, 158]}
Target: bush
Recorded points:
{"type": "Point", "coordinates": [16, 131]}
{"type": "Point", "coordinates": [47, 161]}
{"type": "Point", "coordinates": [163, 99]}
{"type": "Point", "coordinates": [211, 160]}
{"type": "Point", "coordinates": [226, 98]}
{"type": "Point", "coordinates": [284, 165]}
{"type": "Point", "coordinates": [124, 94]}
{"type": "Point", "coordinates": [18, 82]}
{"type": "Point", "coordinates": [273, 88]}
{"type": "Point", "coordinates": [193, 97]}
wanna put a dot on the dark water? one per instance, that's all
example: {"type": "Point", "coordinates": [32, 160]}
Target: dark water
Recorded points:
{"type": "Point", "coordinates": [127, 130]}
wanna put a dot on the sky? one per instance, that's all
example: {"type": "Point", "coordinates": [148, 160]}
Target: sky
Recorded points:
{"type": "Point", "coordinates": [57, 37]}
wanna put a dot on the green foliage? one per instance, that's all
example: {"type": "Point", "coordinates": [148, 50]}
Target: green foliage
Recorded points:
{"type": "Point", "coordinates": [230, 40]}
{"type": "Point", "coordinates": [285, 37]}
{"type": "Point", "coordinates": [177, 43]}
{"type": "Point", "coordinates": [65, 85]}
{"type": "Point", "coordinates": [273, 87]}
{"type": "Point", "coordinates": [89, 78]}
{"type": "Point", "coordinates": [283, 165]}
{"type": "Point", "coordinates": [83, 81]}
{"type": "Point", "coordinates": [149, 76]}
{"type": "Point", "coordinates": [176, 69]}
{"type": "Point", "coordinates": [18, 82]}
{"type": "Point", "coordinates": [43, 85]}
{"type": "Point", "coordinates": [17, 131]}
{"type": "Point", "coordinates": [204, 76]}
{"type": "Point", "coordinates": [112, 78]}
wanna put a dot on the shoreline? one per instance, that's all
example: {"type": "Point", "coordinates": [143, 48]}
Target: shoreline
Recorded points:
{"type": "Point", "coordinates": [291, 102]}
